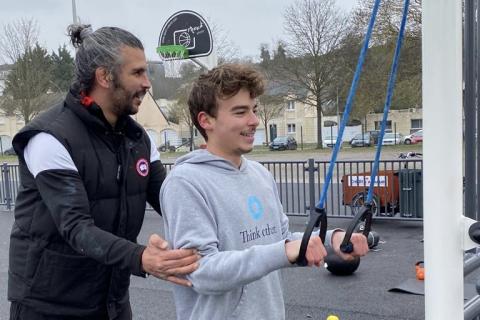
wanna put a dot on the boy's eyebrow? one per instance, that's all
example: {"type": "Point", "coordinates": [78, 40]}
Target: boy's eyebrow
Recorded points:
{"type": "Point", "coordinates": [240, 107]}
{"type": "Point", "coordinates": [243, 107]}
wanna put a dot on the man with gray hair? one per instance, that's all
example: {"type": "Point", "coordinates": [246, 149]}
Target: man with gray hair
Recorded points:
{"type": "Point", "coordinates": [86, 170]}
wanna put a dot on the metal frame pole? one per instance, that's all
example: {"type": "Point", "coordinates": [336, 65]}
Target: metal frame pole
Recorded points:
{"type": "Point", "coordinates": [442, 108]}
{"type": "Point", "coordinates": [475, 102]}
{"type": "Point", "coordinates": [469, 111]}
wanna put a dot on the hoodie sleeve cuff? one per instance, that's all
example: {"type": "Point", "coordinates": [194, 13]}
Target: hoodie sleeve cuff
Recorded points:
{"type": "Point", "coordinates": [136, 263]}
{"type": "Point", "coordinates": [328, 237]}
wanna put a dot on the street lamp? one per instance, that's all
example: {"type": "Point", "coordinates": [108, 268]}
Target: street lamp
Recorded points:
{"type": "Point", "coordinates": [74, 12]}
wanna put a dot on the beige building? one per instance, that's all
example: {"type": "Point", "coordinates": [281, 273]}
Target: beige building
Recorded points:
{"type": "Point", "coordinates": [404, 121]}
{"type": "Point", "coordinates": [4, 71]}
{"type": "Point", "coordinates": [151, 118]}
{"type": "Point", "coordinates": [300, 121]}
{"type": "Point", "coordinates": [9, 126]}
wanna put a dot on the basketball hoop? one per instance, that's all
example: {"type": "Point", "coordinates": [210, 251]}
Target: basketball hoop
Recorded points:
{"type": "Point", "coordinates": [184, 36]}
{"type": "Point", "coordinates": [172, 57]}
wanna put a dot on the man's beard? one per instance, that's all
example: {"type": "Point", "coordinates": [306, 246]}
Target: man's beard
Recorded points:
{"type": "Point", "coordinates": [123, 100]}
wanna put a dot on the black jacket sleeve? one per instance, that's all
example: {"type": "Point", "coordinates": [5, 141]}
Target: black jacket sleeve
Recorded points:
{"type": "Point", "coordinates": [65, 197]}
{"type": "Point", "coordinates": [157, 176]}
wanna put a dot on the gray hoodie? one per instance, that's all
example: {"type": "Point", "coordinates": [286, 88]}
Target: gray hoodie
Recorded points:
{"type": "Point", "coordinates": [235, 219]}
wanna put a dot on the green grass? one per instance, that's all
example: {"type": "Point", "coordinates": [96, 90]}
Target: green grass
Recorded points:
{"type": "Point", "coordinates": [346, 146]}
{"type": "Point", "coordinates": [311, 147]}
{"type": "Point", "coordinates": [8, 159]}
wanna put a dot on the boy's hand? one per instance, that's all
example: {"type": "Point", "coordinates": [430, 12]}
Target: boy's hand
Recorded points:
{"type": "Point", "coordinates": [359, 241]}
{"type": "Point", "coordinates": [315, 254]}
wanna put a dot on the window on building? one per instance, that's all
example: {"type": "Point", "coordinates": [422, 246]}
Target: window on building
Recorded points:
{"type": "Point", "coordinates": [195, 132]}
{"type": "Point", "coordinates": [291, 128]}
{"type": "Point", "coordinates": [388, 128]}
{"type": "Point", "coordinates": [415, 125]}
{"type": "Point", "coordinates": [291, 105]}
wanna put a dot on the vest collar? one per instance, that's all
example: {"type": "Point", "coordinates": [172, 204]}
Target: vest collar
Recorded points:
{"type": "Point", "coordinates": [92, 115]}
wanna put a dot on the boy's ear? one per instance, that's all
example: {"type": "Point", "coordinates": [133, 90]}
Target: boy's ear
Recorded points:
{"type": "Point", "coordinates": [103, 77]}
{"type": "Point", "coordinates": [205, 120]}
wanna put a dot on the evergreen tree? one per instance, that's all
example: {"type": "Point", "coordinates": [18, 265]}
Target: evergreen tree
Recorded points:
{"type": "Point", "coordinates": [62, 69]}
{"type": "Point", "coordinates": [27, 85]}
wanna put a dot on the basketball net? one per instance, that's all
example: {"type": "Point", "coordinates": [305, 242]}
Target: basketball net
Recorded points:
{"type": "Point", "coordinates": [172, 57]}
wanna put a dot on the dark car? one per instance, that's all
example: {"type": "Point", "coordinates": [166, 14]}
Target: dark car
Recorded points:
{"type": "Point", "coordinates": [361, 140]}
{"type": "Point", "coordinates": [166, 147]}
{"type": "Point", "coordinates": [10, 152]}
{"type": "Point", "coordinates": [284, 143]}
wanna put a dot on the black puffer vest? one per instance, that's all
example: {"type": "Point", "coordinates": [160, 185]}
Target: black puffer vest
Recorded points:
{"type": "Point", "coordinates": [73, 244]}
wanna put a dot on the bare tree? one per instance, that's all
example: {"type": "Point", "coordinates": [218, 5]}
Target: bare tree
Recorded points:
{"type": "Point", "coordinates": [269, 107]}
{"type": "Point", "coordinates": [226, 49]}
{"type": "Point", "coordinates": [388, 20]}
{"type": "Point", "coordinates": [179, 111]}
{"type": "Point", "coordinates": [315, 29]}
{"type": "Point", "coordinates": [28, 83]}
{"type": "Point", "coordinates": [17, 38]}
{"type": "Point", "coordinates": [371, 92]}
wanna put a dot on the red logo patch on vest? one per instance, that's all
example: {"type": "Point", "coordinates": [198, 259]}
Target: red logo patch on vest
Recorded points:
{"type": "Point", "coordinates": [142, 167]}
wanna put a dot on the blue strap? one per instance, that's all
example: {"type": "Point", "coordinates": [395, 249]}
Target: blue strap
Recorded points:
{"type": "Point", "coordinates": [388, 98]}
{"type": "Point", "coordinates": [348, 106]}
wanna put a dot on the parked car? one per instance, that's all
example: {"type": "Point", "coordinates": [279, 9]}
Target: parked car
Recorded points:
{"type": "Point", "coordinates": [415, 137]}
{"type": "Point", "coordinates": [164, 148]}
{"type": "Point", "coordinates": [10, 152]}
{"type": "Point", "coordinates": [361, 140]}
{"type": "Point", "coordinates": [391, 138]}
{"type": "Point", "coordinates": [329, 141]}
{"type": "Point", "coordinates": [284, 143]}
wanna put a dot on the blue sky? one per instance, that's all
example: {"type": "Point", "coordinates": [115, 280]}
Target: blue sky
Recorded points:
{"type": "Point", "coordinates": [248, 23]}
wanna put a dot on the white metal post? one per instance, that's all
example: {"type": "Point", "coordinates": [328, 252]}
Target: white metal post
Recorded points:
{"type": "Point", "coordinates": [442, 150]}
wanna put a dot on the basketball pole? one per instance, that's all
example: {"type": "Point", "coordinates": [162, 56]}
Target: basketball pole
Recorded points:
{"type": "Point", "coordinates": [200, 64]}
{"type": "Point", "coordinates": [207, 62]}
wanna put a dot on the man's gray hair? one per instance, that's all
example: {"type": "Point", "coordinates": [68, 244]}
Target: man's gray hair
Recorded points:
{"type": "Point", "coordinates": [100, 48]}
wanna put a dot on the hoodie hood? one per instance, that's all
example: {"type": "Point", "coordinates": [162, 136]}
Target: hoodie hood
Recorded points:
{"type": "Point", "coordinates": [203, 156]}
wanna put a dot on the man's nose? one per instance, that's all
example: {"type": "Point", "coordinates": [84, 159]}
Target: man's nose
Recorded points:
{"type": "Point", "coordinates": [146, 82]}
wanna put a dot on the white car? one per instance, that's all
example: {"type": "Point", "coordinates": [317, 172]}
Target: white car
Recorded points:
{"type": "Point", "coordinates": [329, 141]}
{"type": "Point", "coordinates": [391, 138]}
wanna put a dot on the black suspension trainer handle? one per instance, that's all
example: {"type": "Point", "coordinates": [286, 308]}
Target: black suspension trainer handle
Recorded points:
{"type": "Point", "coordinates": [364, 214]}
{"type": "Point", "coordinates": [317, 219]}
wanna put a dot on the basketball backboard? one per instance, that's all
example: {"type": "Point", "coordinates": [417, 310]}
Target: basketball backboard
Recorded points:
{"type": "Point", "coordinates": [188, 29]}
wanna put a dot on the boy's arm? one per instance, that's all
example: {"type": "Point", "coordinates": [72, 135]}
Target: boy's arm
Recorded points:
{"type": "Point", "coordinates": [190, 224]}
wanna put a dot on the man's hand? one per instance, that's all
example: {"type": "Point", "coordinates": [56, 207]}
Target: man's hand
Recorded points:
{"type": "Point", "coordinates": [166, 264]}
{"type": "Point", "coordinates": [359, 241]}
{"type": "Point", "coordinates": [315, 251]}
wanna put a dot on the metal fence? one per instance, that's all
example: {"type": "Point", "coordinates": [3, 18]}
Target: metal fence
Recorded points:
{"type": "Point", "coordinates": [398, 189]}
